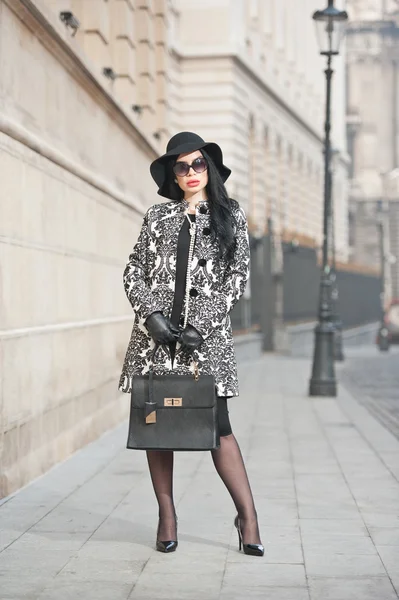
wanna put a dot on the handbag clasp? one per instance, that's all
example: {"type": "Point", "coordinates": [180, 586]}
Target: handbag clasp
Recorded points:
{"type": "Point", "coordinates": [173, 401]}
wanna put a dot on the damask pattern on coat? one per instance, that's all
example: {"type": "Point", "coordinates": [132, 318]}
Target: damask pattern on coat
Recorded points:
{"type": "Point", "coordinates": [216, 286]}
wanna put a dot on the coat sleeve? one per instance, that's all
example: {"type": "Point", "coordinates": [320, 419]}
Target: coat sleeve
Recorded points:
{"type": "Point", "coordinates": [212, 307]}
{"type": "Point", "coordinates": [135, 276]}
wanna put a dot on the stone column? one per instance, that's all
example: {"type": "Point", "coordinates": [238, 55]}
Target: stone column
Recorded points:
{"type": "Point", "coordinates": [273, 177]}
{"type": "Point", "coordinates": [146, 94]}
{"type": "Point", "coordinates": [257, 176]}
{"type": "Point", "coordinates": [123, 49]}
{"type": "Point", "coordinates": [162, 67]}
{"type": "Point", "coordinates": [94, 31]}
{"type": "Point", "coordinates": [273, 326]}
{"type": "Point", "coordinates": [281, 186]}
{"type": "Point", "coordinates": [295, 192]}
{"type": "Point", "coordinates": [301, 205]}
{"type": "Point", "coordinates": [292, 191]}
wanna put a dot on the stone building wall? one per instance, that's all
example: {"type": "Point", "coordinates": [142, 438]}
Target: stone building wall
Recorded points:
{"type": "Point", "coordinates": [373, 133]}
{"type": "Point", "coordinates": [75, 184]}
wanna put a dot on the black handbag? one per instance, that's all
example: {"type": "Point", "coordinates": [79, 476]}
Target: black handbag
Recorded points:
{"type": "Point", "coordinates": [173, 412]}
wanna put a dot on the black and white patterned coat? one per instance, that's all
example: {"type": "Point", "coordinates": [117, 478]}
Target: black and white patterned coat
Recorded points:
{"type": "Point", "coordinates": [149, 280]}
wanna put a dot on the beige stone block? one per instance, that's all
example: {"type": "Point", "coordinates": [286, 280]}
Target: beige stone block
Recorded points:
{"type": "Point", "coordinates": [161, 88]}
{"type": "Point", "coordinates": [10, 452]}
{"type": "Point", "coordinates": [160, 7]}
{"type": "Point", "coordinates": [32, 204]}
{"type": "Point", "coordinates": [162, 115]}
{"type": "Point", "coordinates": [215, 22]}
{"type": "Point", "coordinates": [148, 119]}
{"type": "Point", "coordinates": [58, 375]}
{"type": "Point", "coordinates": [122, 20]}
{"type": "Point", "coordinates": [55, 202]}
{"type": "Point", "coordinates": [146, 92]}
{"type": "Point", "coordinates": [94, 17]}
{"type": "Point", "coordinates": [124, 58]}
{"type": "Point", "coordinates": [17, 302]}
{"type": "Point", "coordinates": [162, 63]}
{"type": "Point", "coordinates": [160, 31]}
{"type": "Point", "coordinates": [145, 59]}
{"type": "Point", "coordinates": [12, 194]}
{"type": "Point", "coordinates": [96, 49]}
{"type": "Point", "coordinates": [24, 390]}
{"type": "Point", "coordinates": [27, 90]}
{"type": "Point", "coordinates": [144, 26]}
{"type": "Point", "coordinates": [125, 90]}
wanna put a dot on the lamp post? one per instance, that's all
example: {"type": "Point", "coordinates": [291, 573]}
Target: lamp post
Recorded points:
{"type": "Point", "coordinates": [329, 25]}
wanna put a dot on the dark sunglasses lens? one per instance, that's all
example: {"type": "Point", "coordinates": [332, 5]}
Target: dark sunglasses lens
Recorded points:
{"type": "Point", "coordinates": [180, 169]}
{"type": "Point", "coordinates": [199, 165]}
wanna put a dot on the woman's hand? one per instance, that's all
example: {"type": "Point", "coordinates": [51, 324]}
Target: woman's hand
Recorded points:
{"type": "Point", "coordinates": [161, 329]}
{"type": "Point", "coordinates": [190, 339]}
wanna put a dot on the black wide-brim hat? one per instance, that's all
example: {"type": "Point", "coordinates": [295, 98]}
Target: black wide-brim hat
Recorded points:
{"type": "Point", "coordinates": [181, 143]}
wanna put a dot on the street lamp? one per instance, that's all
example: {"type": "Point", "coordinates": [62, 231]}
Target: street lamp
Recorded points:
{"type": "Point", "coordinates": [329, 27]}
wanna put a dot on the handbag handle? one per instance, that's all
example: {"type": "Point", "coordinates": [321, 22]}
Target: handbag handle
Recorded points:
{"type": "Point", "coordinates": [156, 348]}
{"type": "Point", "coordinates": [150, 407]}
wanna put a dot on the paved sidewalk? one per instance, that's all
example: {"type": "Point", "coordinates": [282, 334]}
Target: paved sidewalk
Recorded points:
{"type": "Point", "coordinates": [325, 476]}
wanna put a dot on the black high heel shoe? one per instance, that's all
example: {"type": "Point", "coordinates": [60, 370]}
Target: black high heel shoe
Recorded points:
{"type": "Point", "coordinates": [166, 546]}
{"type": "Point", "coordinates": [251, 549]}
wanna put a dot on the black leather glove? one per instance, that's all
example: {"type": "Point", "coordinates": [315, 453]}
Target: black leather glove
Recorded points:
{"type": "Point", "coordinates": [190, 339]}
{"type": "Point", "coordinates": [161, 329]}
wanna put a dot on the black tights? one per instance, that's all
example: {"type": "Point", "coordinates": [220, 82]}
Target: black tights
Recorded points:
{"type": "Point", "coordinates": [229, 465]}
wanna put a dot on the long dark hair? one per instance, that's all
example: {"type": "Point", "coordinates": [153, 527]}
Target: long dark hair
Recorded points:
{"type": "Point", "coordinates": [222, 219]}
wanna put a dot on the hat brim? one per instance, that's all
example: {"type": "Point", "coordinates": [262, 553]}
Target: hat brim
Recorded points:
{"type": "Point", "coordinates": [157, 167]}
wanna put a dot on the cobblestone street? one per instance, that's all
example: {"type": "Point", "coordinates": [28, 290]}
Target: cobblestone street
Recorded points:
{"type": "Point", "coordinates": [373, 378]}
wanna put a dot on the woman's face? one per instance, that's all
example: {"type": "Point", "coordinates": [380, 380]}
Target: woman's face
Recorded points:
{"type": "Point", "coordinates": [193, 182]}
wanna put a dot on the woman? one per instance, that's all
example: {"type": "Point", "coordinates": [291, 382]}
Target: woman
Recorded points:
{"type": "Point", "coordinates": [191, 174]}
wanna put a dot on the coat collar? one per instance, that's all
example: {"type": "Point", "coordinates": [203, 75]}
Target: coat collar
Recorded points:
{"type": "Point", "coordinates": [184, 204]}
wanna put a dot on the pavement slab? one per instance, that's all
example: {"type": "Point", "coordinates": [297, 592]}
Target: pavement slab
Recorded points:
{"type": "Point", "coordinates": [325, 479]}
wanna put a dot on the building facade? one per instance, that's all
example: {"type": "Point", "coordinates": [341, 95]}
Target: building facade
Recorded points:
{"type": "Point", "coordinates": [372, 129]}
{"type": "Point", "coordinates": [82, 114]}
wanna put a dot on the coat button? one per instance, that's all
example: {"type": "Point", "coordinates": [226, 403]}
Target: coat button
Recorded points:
{"type": "Point", "coordinates": [193, 292]}
{"type": "Point", "coordinates": [203, 210]}
{"type": "Point", "coordinates": [202, 262]}
{"type": "Point", "coordinates": [206, 231]}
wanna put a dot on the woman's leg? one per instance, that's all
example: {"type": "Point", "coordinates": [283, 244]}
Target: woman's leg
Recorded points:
{"type": "Point", "coordinates": [161, 469]}
{"type": "Point", "coordinates": [230, 466]}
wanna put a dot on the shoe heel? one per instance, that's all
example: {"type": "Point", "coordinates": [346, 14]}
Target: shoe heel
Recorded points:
{"type": "Point", "coordinates": [236, 525]}
{"type": "Point", "coordinates": [250, 549]}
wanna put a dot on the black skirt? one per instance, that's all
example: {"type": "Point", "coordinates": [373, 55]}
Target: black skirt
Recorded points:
{"type": "Point", "coordinates": [177, 318]}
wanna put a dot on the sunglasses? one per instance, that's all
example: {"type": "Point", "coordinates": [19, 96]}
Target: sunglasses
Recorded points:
{"type": "Point", "coordinates": [182, 168]}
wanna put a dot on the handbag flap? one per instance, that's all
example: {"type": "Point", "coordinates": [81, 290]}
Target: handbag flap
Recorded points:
{"type": "Point", "coordinates": [175, 391]}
